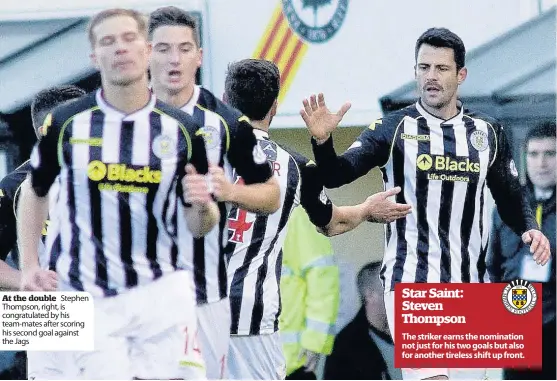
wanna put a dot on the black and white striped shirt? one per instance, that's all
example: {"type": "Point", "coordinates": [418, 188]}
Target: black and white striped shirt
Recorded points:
{"type": "Point", "coordinates": [255, 241]}
{"type": "Point", "coordinates": [120, 190]}
{"type": "Point", "coordinates": [443, 167]}
{"type": "Point", "coordinates": [230, 143]}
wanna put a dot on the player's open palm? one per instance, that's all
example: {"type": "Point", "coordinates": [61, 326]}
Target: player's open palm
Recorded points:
{"type": "Point", "coordinates": [383, 210]}
{"type": "Point", "coordinates": [319, 120]}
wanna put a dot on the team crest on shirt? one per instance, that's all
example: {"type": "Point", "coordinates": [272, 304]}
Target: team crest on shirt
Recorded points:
{"type": "Point", "coordinates": [479, 140]}
{"type": "Point", "coordinates": [211, 136]}
{"type": "Point", "coordinates": [269, 148]}
{"type": "Point", "coordinates": [519, 297]}
{"type": "Point", "coordinates": [259, 156]}
{"type": "Point", "coordinates": [164, 147]}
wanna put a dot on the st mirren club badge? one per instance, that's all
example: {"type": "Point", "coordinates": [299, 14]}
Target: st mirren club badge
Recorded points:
{"type": "Point", "coordinates": [479, 140]}
{"type": "Point", "coordinates": [519, 297]}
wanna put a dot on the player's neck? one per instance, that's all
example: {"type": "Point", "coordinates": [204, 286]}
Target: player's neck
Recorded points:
{"type": "Point", "coordinates": [446, 112]}
{"type": "Point", "coordinates": [128, 99]}
{"type": "Point", "coordinates": [179, 99]}
{"type": "Point", "coordinates": [262, 125]}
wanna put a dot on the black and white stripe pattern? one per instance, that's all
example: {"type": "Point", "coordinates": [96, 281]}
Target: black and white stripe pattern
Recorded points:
{"type": "Point", "coordinates": [207, 259]}
{"type": "Point", "coordinates": [445, 238]}
{"type": "Point", "coordinates": [255, 244]}
{"type": "Point", "coordinates": [110, 236]}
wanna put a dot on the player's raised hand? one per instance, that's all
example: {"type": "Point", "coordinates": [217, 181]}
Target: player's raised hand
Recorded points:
{"type": "Point", "coordinates": [539, 246]}
{"type": "Point", "coordinates": [381, 209]}
{"type": "Point", "coordinates": [318, 119]}
{"type": "Point", "coordinates": [222, 188]}
{"type": "Point", "coordinates": [196, 187]}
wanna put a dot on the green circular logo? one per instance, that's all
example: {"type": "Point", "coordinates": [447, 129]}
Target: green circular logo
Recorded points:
{"type": "Point", "coordinates": [315, 20]}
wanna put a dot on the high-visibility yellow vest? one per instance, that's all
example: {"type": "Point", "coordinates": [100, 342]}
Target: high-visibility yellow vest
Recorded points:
{"type": "Point", "coordinates": [309, 290]}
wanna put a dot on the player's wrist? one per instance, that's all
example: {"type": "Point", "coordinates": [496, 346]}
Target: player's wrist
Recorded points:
{"type": "Point", "coordinates": [321, 138]}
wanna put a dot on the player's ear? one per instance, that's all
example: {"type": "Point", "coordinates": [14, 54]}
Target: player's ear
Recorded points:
{"type": "Point", "coordinates": [274, 107]}
{"type": "Point", "coordinates": [200, 57]}
{"type": "Point", "coordinates": [462, 73]}
{"type": "Point", "coordinates": [94, 61]}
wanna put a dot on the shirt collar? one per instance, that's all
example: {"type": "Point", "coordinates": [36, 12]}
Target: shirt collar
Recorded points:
{"type": "Point", "coordinates": [436, 120]}
{"type": "Point", "coordinates": [260, 134]}
{"type": "Point", "coordinates": [110, 110]}
{"type": "Point", "coordinates": [188, 107]}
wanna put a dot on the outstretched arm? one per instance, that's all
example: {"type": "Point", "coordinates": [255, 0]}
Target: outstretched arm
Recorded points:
{"type": "Point", "coordinates": [376, 208]}
{"type": "Point", "coordinates": [252, 197]}
{"type": "Point", "coordinates": [371, 149]}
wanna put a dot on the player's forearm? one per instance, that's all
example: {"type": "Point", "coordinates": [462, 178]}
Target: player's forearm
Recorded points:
{"type": "Point", "coordinates": [10, 278]}
{"type": "Point", "coordinates": [257, 198]}
{"type": "Point", "coordinates": [344, 219]}
{"type": "Point", "coordinates": [31, 215]}
{"type": "Point", "coordinates": [202, 219]}
{"type": "Point", "coordinates": [334, 170]}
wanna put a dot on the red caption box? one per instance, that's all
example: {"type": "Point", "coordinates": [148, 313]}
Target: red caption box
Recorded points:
{"type": "Point", "coordinates": [468, 325]}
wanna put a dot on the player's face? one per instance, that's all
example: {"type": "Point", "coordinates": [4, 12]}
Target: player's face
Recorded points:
{"type": "Point", "coordinates": [541, 162]}
{"type": "Point", "coordinates": [436, 76]}
{"type": "Point", "coordinates": [175, 59]}
{"type": "Point", "coordinates": [121, 51]}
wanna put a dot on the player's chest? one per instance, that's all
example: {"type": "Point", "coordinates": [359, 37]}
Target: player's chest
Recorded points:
{"type": "Point", "coordinates": [455, 153]}
{"type": "Point", "coordinates": [131, 158]}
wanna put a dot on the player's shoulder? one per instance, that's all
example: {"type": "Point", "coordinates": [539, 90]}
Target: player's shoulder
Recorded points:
{"type": "Point", "coordinates": [391, 120]}
{"type": "Point", "coordinates": [209, 102]}
{"type": "Point", "coordinates": [71, 108]}
{"type": "Point", "coordinates": [175, 113]}
{"type": "Point", "coordinates": [12, 181]}
{"type": "Point", "coordinates": [300, 159]}
{"type": "Point", "coordinates": [477, 115]}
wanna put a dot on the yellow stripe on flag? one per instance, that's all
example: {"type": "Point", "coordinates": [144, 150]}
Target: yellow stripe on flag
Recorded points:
{"type": "Point", "coordinates": [276, 42]}
{"type": "Point", "coordinates": [281, 45]}
{"type": "Point", "coordinates": [287, 79]}
{"type": "Point", "coordinates": [274, 18]}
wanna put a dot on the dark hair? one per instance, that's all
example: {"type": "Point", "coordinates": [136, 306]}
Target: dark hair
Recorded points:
{"type": "Point", "coordinates": [172, 16]}
{"type": "Point", "coordinates": [541, 131]}
{"type": "Point", "coordinates": [113, 12]}
{"type": "Point", "coordinates": [367, 275]}
{"type": "Point", "coordinates": [49, 98]}
{"type": "Point", "coordinates": [252, 86]}
{"type": "Point", "coordinates": [443, 38]}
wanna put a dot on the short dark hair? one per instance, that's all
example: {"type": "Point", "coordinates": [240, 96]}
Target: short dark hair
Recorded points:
{"type": "Point", "coordinates": [541, 131]}
{"type": "Point", "coordinates": [443, 38]}
{"type": "Point", "coordinates": [172, 16]}
{"type": "Point", "coordinates": [113, 12]}
{"type": "Point", "coordinates": [49, 98]}
{"type": "Point", "coordinates": [366, 277]}
{"type": "Point", "coordinates": [252, 86]}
